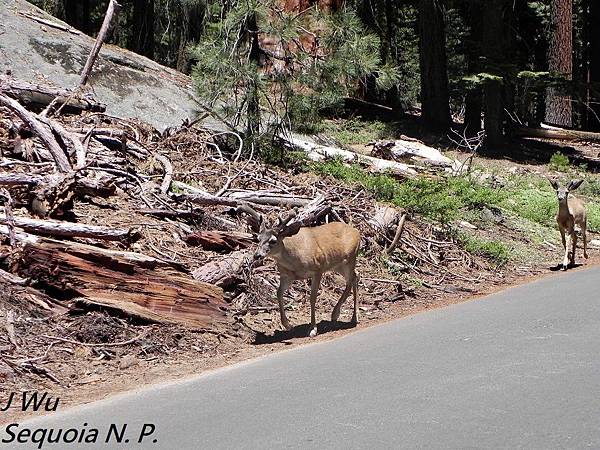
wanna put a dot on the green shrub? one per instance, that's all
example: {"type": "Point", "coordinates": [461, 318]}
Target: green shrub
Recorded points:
{"type": "Point", "coordinates": [559, 162]}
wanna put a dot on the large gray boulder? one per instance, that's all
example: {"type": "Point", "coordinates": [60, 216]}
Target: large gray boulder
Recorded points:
{"type": "Point", "coordinates": [131, 85]}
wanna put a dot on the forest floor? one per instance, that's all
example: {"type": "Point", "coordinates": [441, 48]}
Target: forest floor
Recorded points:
{"type": "Point", "coordinates": [465, 238]}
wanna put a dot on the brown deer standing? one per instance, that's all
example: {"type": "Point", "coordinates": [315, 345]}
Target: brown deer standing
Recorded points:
{"type": "Point", "coordinates": [303, 253]}
{"type": "Point", "coordinates": [571, 212]}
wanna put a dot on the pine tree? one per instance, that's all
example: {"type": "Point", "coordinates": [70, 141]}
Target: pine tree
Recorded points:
{"type": "Point", "coordinates": [560, 62]}
{"type": "Point", "coordinates": [258, 58]}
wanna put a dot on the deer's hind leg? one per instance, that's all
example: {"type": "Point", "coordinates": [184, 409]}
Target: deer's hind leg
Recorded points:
{"type": "Point", "coordinates": [584, 236]}
{"type": "Point", "coordinates": [314, 291]}
{"type": "Point", "coordinates": [350, 276]}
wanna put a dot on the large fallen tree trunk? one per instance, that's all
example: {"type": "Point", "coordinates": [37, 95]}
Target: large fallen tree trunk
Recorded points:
{"type": "Point", "coordinates": [557, 133]}
{"type": "Point", "coordinates": [69, 229]}
{"type": "Point", "coordinates": [319, 153]}
{"type": "Point", "coordinates": [136, 284]}
{"type": "Point", "coordinates": [38, 96]}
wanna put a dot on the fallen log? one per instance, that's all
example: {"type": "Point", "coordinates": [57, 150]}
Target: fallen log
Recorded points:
{"type": "Point", "coordinates": [133, 283]}
{"type": "Point", "coordinates": [50, 227]}
{"type": "Point", "coordinates": [319, 153]}
{"type": "Point", "coordinates": [557, 133]}
{"type": "Point", "coordinates": [225, 271]}
{"type": "Point", "coordinates": [219, 240]}
{"type": "Point", "coordinates": [38, 96]}
{"type": "Point", "coordinates": [98, 186]}
{"type": "Point", "coordinates": [237, 198]}
{"type": "Point", "coordinates": [410, 150]}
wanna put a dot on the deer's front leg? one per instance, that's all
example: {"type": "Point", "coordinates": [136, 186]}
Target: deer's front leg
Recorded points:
{"type": "Point", "coordinates": [314, 291]}
{"type": "Point", "coordinates": [284, 284]}
{"type": "Point", "coordinates": [567, 248]}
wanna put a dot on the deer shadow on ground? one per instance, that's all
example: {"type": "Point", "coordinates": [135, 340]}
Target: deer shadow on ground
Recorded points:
{"type": "Point", "coordinates": [300, 331]}
{"type": "Point", "coordinates": [559, 267]}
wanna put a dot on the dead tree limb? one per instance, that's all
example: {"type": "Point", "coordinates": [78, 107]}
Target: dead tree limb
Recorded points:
{"type": "Point", "coordinates": [59, 156]}
{"type": "Point", "coordinates": [113, 9]}
{"type": "Point", "coordinates": [38, 96]}
{"type": "Point", "coordinates": [68, 229]}
{"type": "Point", "coordinates": [398, 235]}
{"type": "Point", "coordinates": [10, 220]}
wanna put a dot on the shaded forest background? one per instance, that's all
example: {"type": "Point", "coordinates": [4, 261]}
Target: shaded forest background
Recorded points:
{"type": "Point", "coordinates": [483, 64]}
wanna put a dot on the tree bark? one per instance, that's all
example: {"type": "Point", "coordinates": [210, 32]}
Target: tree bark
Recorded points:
{"type": "Point", "coordinates": [472, 12]}
{"type": "Point", "coordinates": [560, 61]}
{"type": "Point", "coordinates": [435, 100]}
{"type": "Point", "coordinates": [594, 64]}
{"type": "Point", "coordinates": [134, 283]}
{"type": "Point", "coordinates": [497, 21]}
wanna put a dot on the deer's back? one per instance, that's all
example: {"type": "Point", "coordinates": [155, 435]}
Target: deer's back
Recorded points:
{"type": "Point", "coordinates": [319, 249]}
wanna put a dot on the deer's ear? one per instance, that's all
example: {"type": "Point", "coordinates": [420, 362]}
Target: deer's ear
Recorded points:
{"type": "Point", "coordinates": [553, 182]}
{"type": "Point", "coordinates": [574, 184]}
{"type": "Point", "coordinates": [290, 231]}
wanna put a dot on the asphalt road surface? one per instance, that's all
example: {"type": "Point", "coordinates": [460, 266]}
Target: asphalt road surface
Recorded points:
{"type": "Point", "coordinates": [519, 369]}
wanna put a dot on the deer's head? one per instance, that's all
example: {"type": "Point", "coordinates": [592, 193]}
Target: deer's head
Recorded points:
{"type": "Point", "coordinates": [270, 238]}
{"type": "Point", "coordinates": [562, 192]}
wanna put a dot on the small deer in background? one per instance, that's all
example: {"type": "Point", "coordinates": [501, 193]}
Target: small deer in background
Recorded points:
{"type": "Point", "coordinates": [303, 253]}
{"type": "Point", "coordinates": [571, 212]}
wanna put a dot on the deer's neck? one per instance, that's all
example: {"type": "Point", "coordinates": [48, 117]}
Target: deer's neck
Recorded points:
{"type": "Point", "coordinates": [563, 208]}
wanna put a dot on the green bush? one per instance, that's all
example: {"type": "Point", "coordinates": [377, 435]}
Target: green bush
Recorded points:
{"type": "Point", "coordinates": [559, 162]}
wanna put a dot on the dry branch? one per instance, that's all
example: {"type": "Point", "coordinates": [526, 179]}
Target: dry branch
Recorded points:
{"type": "Point", "coordinates": [59, 156]}
{"type": "Point", "coordinates": [67, 229]}
{"type": "Point", "coordinates": [113, 9]}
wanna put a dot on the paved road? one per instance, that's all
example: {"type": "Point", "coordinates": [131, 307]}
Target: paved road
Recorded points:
{"type": "Point", "coordinates": [519, 369]}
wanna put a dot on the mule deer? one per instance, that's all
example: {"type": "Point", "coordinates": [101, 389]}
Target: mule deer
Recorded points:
{"type": "Point", "coordinates": [303, 253]}
{"type": "Point", "coordinates": [571, 212]}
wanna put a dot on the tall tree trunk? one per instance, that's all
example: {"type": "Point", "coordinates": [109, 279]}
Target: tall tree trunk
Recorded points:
{"type": "Point", "coordinates": [497, 15]}
{"type": "Point", "coordinates": [435, 99]}
{"type": "Point", "coordinates": [560, 61]}
{"type": "Point", "coordinates": [142, 30]}
{"type": "Point", "coordinates": [472, 12]}
{"type": "Point", "coordinates": [192, 17]}
{"type": "Point", "coordinates": [253, 116]}
{"type": "Point", "coordinates": [594, 64]}
{"type": "Point", "coordinates": [77, 14]}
